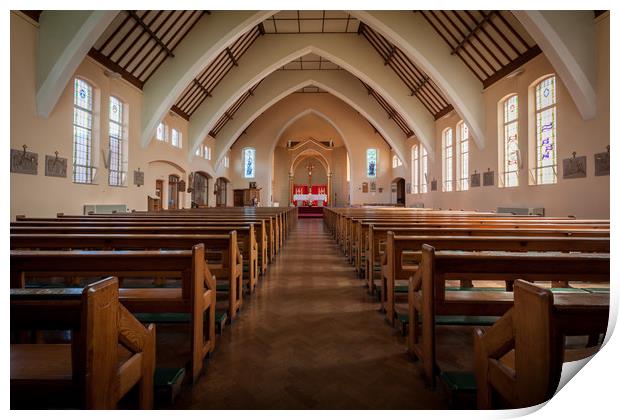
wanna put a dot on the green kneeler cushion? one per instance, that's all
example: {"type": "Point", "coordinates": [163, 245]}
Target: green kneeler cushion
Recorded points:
{"type": "Point", "coordinates": [403, 318]}
{"type": "Point", "coordinates": [168, 383]}
{"type": "Point", "coordinates": [596, 290]}
{"type": "Point", "coordinates": [459, 381]}
{"type": "Point", "coordinates": [179, 318]}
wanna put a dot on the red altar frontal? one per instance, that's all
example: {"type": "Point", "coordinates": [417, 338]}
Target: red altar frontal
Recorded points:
{"type": "Point", "coordinates": [313, 196]}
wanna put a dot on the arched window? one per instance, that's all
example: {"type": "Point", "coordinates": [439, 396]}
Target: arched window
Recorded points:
{"type": "Point", "coordinates": [371, 163]}
{"type": "Point", "coordinates": [161, 132]}
{"type": "Point", "coordinates": [117, 145]}
{"type": "Point", "coordinates": [249, 162]}
{"type": "Point", "coordinates": [462, 161]}
{"type": "Point", "coordinates": [546, 121]}
{"type": "Point", "coordinates": [348, 168]}
{"type": "Point", "coordinates": [83, 150]}
{"type": "Point", "coordinates": [424, 171]}
{"type": "Point", "coordinates": [448, 156]}
{"type": "Point", "coordinates": [509, 154]}
{"type": "Point", "coordinates": [396, 162]}
{"type": "Point", "coordinates": [175, 138]}
{"type": "Point", "coordinates": [415, 169]}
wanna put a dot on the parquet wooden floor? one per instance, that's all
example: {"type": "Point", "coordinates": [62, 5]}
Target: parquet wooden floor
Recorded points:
{"type": "Point", "coordinates": [310, 338]}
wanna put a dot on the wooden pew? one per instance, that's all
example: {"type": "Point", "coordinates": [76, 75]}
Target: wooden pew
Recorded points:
{"type": "Point", "coordinates": [377, 241]}
{"type": "Point", "coordinates": [403, 254]}
{"type": "Point", "coordinates": [110, 351]}
{"type": "Point", "coordinates": [171, 238]}
{"type": "Point", "coordinates": [429, 299]}
{"type": "Point", "coordinates": [362, 237]}
{"type": "Point", "coordinates": [195, 297]}
{"type": "Point", "coordinates": [252, 237]}
{"type": "Point", "coordinates": [530, 337]}
{"type": "Point", "coordinates": [274, 224]}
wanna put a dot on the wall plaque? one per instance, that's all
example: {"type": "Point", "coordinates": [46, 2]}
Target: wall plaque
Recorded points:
{"type": "Point", "coordinates": [488, 178]}
{"type": "Point", "coordinates": [434, 185]}
{"type": "Point", "coordinates": [574, 167]}
{"type": "Point", "coordinates": [373, 186]}
{"type": "Point", "coordinates": [55, 166]}
{"type": "Point", "coordinates": [364, 187]}
{"type": "Point", "coordinates": [475, 179]}
{"type": "Point", "coordinates": [23, 162]}
{"type": "Point", "coordinates": [182, 185]}
{"type": "Point", "coordinates": [138, 177]}
{"type": "Point", "coordinates": [601, 163]}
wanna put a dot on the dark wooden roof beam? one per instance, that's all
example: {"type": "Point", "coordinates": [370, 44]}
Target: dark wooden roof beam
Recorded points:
{"type": "Point", "coordinates": [202, 88]}
{"type": "Point", "coordinates": [151, 33]}
{"type": "Point", "coordinates": [231, 56]}
{"type": "Point", "coordinates": [472, 31]}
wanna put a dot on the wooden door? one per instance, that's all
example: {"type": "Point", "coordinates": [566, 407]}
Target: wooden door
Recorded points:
{"type": "Point", "coordinates": [173, 192]}
{"type": "Point", "coordinates": [200, 190]}
{"type": "Point", "coordinates": [221, 198]}
{"type": "Point", "coordinates": [400, 191]}
{"type": "Point", "coordinates": [238, 198]}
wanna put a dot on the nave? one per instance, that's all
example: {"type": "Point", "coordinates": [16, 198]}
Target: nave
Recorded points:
{"type": "Point", "coordinates": [311, 338]}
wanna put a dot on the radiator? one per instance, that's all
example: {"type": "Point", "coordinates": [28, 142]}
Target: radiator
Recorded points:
{"type": "Point", "coordinates": [105, 208]}
{"type": "Point", "coordinates": [523, 211]}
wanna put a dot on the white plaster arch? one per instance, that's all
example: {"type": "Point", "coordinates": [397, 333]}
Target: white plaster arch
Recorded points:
{"type": "Point", "coordinates": [566, 37]}
{"type": "Point", "coordinates": [349, 51]}
{"type": "Point", "coordinates": [412, 34]}
{"type": "Point", "coordinates": [211, 35]}
{"type": "Point", "coordinates": [65, 36]}
{"type": "Point", "coordinates": [340, 84]}
{"type": "Point", "coordinates": [348, 122]}
{"type": "Point", "coordinates": [308, 111]}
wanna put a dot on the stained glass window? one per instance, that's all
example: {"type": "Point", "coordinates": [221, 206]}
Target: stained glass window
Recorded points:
{"type": "Point", "coordinates": [175, 138]}
{"type": "Point", "coordinates": [207, 154]}
{"type": "Point", "coordinates": [424, 171]}
{"type": "Point", "coordinates": [249, 161]}
{"type": "Point", "coordinates": [511, 141]}
{"type": "Point", "coordinates": [83, 170]}
{"type": "Point", "coordinates": [415, 169]}
{"type": "Point", "coordinates": [161, 132]}
{"type": "Point", "coordinates": [546, 145]}
{"type": "Point", "coordinates": [447, 160]}
{"type": "Point", "coordinates": [117, 148]}
{"type": "Point", "coordinates": [371, 163]}
{"type": "Point", "coordinates": [463, 157]}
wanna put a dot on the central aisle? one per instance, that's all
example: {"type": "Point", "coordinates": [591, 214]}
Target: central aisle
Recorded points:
{"type": "Point", "coordinates": [310, 338]}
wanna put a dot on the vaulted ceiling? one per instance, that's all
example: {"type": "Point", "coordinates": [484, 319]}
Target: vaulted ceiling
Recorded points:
{"type": "Point", "coordinates": [489, 44]}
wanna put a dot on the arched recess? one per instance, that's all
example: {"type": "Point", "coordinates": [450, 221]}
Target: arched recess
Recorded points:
{"type": "Point", "coordinates": [221, 187]}
{"type": "Point", "coordinates": [340, 84]}
{"type": "Point", "coordinates": [211, 35]}
{"type": "Point", "coordinates": [350, 125]}
{"type": "Point", "coordinates": [157, 177]}
{"type": "Point", "coordinates": [306, 152]}
{"type": "Point", "coordinates": [413, 35]}
{"type": "Point", "coordinates": [199, 184]}
{"type": "Point", "coordinates": [349, 51]}
{"type": "Point", "coordinates": [309, 153]}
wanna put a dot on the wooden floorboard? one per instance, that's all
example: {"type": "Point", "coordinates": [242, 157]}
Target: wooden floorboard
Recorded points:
{"type": "Point", "coordinates": [310, 338]}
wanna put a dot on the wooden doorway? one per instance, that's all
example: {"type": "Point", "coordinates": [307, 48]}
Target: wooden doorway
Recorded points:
{"type": "Point", "coordinates": [173, 192]}
{"type": "Point", "coordinates": [398, 191]}
{"type": "Point", "coordinates": [221, 187]}
{"type": "Point", "coordinates": [200, 189]}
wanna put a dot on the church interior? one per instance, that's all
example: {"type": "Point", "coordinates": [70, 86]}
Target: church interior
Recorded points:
{"type": "Point", "coordinates": [307, 209]}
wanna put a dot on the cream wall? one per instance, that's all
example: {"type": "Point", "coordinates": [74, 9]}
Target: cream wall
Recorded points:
{"type": "Point", "coordinates": [38, 195]}
{"type": "Point", "coordinates": [584, 197]}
